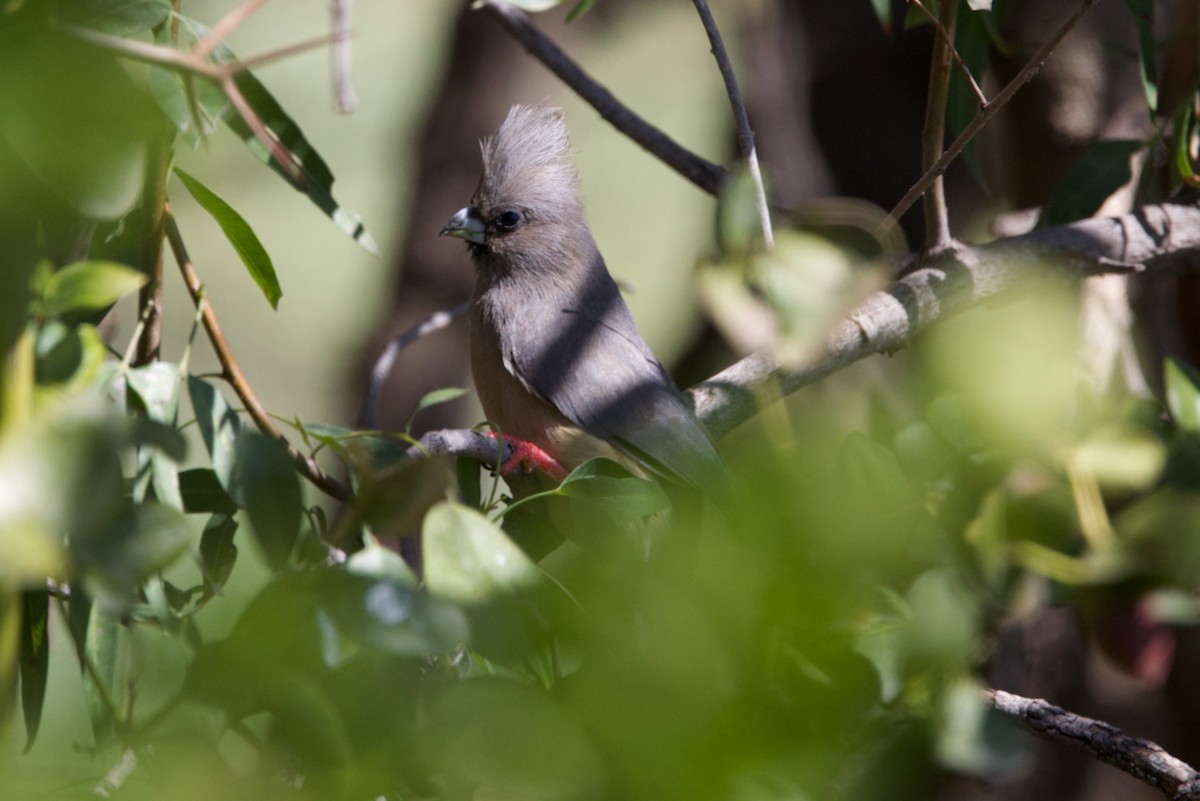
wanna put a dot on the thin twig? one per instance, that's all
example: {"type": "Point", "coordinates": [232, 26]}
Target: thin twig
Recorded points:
{"type": "Point", "coordinates": [1141, 759]}
{"type": "Point", "coordinates": [232, 373]}
{"type": "Point", "coordinates": [225, 26]}
{"type": "Point", "coordinates": [702, 173]}
{"type": "Point", "coordinates": [933, 134]}
{"type": "Point", "coordinates": [383, 365]}
{"type": "Point", "coordinates": [154, 196]}
{"type": "Point", "coordinates": [985, 114]}
{"type": "Point", "coordinates": [344, 96]}
{"type": "Point", "coordinates": [947, 37]}
{"type": "Point", "coordinates": [744, 131]}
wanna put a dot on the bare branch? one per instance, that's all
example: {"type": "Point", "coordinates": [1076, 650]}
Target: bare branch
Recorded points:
{"type": "Point", "coordinates": [1156, 236]}
{"type": "Point", "coordinates": [477, 445]}
{"type": "Point", "coordinates": [227, 25]}
{"type": "Point", "coordinates": [744, 131]}
{"type": "Point", "coordinates": [985, 114]}
{"type": "Point", "coordinates": [948, 37]}
{"type": "Point", "coordinates": [1142, 759]}
{"type": "Point", "coordinates": [232, 373]}
{"type": "Point", "coordinates": [702, 173]}
{"type": "Point", "coordinates": [344, 96]}
{"type": "Point", "coordinates": [383, 365]}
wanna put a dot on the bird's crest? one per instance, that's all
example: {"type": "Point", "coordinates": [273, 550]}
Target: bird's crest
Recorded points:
{"type": "Point", "coordinates": [529, 160]}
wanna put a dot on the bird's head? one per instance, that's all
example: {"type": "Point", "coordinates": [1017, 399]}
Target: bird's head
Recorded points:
{"type": "Point", "coordinates": [526, 211]}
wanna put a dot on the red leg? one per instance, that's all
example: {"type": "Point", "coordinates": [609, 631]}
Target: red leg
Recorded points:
{"type": "Point", "coordinates": [529, 457]}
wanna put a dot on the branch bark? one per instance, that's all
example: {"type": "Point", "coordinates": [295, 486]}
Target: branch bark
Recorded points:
{"type": "Point", "coordinates": [1142, 759]}
{"type": "Point", "coordinates": [1158, 237]}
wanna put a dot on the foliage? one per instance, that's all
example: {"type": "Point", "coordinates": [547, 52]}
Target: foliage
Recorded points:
{"type": "Point", "coordinates": [826, 636]}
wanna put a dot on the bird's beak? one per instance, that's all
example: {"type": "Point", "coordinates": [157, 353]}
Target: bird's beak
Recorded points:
{"type": "Point", "coordinates": [466, 224]}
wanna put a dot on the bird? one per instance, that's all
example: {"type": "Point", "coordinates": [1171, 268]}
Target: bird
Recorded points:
{"type": "Point", "coordinates": [556, 356]}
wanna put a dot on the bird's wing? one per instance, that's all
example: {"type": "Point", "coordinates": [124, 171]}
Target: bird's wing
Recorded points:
{"type": "Point", "coordinates": [592, 365]}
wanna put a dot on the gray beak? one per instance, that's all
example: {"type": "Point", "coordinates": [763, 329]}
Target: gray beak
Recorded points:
{"type": "Point", "coordinates": [466, 224]}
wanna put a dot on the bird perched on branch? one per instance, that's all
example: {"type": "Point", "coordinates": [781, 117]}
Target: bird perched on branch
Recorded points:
{"type": "Point", "coordinates": [557, 359]}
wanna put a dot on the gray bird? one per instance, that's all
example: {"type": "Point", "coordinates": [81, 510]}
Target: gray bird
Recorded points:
{"type": "Point", "coordinates": [556, 356]}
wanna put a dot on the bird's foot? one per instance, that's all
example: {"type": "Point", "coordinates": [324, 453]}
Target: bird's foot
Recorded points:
{"type": "Point", "coordinates": [528, 457]}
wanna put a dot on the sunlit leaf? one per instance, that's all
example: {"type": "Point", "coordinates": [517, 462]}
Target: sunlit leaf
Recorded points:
{"type": "Point", "coordinates": [239, 233]}
{"type": "Point", "coordinates": [581, 8]}
{"type": "Point", "coordinates": [1104, 169]}
{"type": "Point", "coordinates": [88, 285]}
{"type": "Point", "coordinates": [469, 559]}
{"type": "Point", "coordinates": [535, 5]}
{"type": "Point", "coordinates": [434, 398]}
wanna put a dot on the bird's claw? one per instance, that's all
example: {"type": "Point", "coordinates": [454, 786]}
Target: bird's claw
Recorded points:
{"type": "Point", "coordinates": [528, 457]}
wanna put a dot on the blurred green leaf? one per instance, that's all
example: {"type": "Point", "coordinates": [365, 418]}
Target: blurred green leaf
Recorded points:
{"type": "Point", "coordinates": [603, 488]}
{"type": "Point", "coordinates": [976, 740]}
{"type": "Point", "coordinates": [118, 553]}
{"type": "Point", "coordinates": [944, 633]}
{"type": "Point", "coordinates": [394, 501]}
{"type": "Point", "coordinates": [116, 17]}
{"type": "Point", "coordinates": [535, 5]}
{"type": "Point", "coordinates": [1120, 458]}
{"type": "Point", "coordinates": [1143, 18]}
{"type": "Point", "coordinates": [73, 117]}
{"type": "Point", "coordinates": [268, 485]}
{"type": "Point", "coordinates": [34, 660]}
{"type": "Point", "coordinates": [374, 561]}
{"type": "Point", "coordinates": [88, 285]}
{"type": "Point", "coordinates": [1183, 394]}
{"type": "Point", "coordinates": [100, 648]}
{"type": "Point", "coordinates": [979, 5]}
{"type": "Point", "coordinates": [1102, 170]}
{"type": "Point", "coordinates": [883, 10]}
{"type": "Point", "coordinates": [239, 233]}
{"type": "Point", "coordinates": [469, 559]}
{"type": "Point", "coordinates": [581, 8]}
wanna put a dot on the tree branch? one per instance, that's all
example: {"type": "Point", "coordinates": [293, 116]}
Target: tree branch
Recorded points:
{"type": "Point", "coordinates": [744, 131]}
{"type": "Point", "coordinates": [985, 114]}
{"type": "Point", "coordinates": [232, 373]}
{"type": "Point", "coordinates": [1140, 758]}
{"type": "Point", "coordinates": [933, 135]}
{"type": "Point", "coordinates": [1157, 236]}
{"type": "Point", "coordinates": [702, 173]}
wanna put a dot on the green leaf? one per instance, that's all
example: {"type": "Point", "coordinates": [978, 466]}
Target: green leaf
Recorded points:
{"type": "Point", "coordinates": [1183, 394]}
{"type": "Point", "coordinates": [34, 660]}
{"type": "Point", "coordinates": [972, 41]}
{"type": "Point", "coordinates": [604, 488]}
{"type": "Point", "coordinates": [116, 17]}
{"type": "Point", "coordinates": [267, 483]}
{"type": "Point", "coordinates": [433, 398]}
{"type": "Point", "coordinates": [88, 285]}
{"type": "Point", "coordinates": [374, 561]}
{"type": "Point", "coordinates": [100, 652]}
{"type": "Point", "coordinates": [219, 428]}
{"type": "Point", "coordinates": [305, 169]}
{"type": "Point", "coordinates": [202, 492]}
{"type": "Point", "coordinates": [581, 8]}
{"type": "Point", "coordinates": [218, 551]}
{"type": "Point", "coordinates": [1103, 170]}
{"type": "Point", "coordinates": [1143, 18]}
{"type": "Point", "coordinates": [883, 10]}
{"type": "Point", "coordinates": [975, 739]}
{"type": "Point", "coordinates": [119, 553]}
{"type": "Point", "coordinates": [157, 386]}
{"type": "Point", "coordinates": [240, 235]}
{"type": "Point", "coordinates": [979, 5]}
{"type": "Point", "coordinates": [469, 559]}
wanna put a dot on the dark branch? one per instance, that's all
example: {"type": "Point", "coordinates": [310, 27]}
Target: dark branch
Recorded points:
{"type": "Point", "coordinates": [1142, 759]}
{"type": "Point", "coordinates": [702, 173]}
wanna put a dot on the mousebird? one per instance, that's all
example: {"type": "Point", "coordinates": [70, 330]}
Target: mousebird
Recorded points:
{"type": "Point", "coordinates": [556, 357]}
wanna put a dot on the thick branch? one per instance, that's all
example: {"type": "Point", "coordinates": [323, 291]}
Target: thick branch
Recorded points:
{"type": "Point", "coordinates": [702, 173]}
{"type": "Point", "coordinates": [1157, 236]}
{"type": "Point", "coordinates": [1140, 758]}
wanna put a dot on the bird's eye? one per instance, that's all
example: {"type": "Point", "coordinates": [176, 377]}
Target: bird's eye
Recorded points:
{"type": "Point", "coordinates": [509, 220]}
